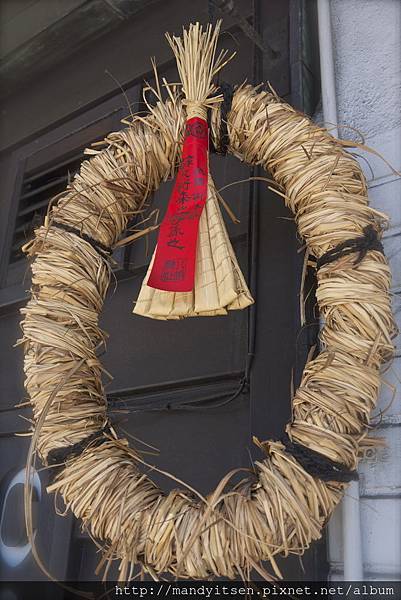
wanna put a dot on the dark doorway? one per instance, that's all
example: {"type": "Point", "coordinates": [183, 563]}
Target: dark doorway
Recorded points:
{"type": "Point", "coordinates": [185, 403]}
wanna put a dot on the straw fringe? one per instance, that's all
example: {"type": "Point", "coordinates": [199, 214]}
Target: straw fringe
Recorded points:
{"type": "Point", "coordinates": [219, 283]}
{"type": "Point", "coordinates": [279, 509]}
{"type": "Point", "coordinates": [198, 65]}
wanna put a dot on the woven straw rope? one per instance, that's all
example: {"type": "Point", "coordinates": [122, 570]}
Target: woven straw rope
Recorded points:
{"type": "Point", "coordinates": [278, 509]}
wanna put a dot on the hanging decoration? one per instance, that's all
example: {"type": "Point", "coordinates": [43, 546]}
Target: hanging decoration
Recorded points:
{"type": "Point", "coordinates": [194, 271]}
{"type": "Point", "coordinates": [219, 284]}
{"type": "Point", "coordinates": [281, 505]}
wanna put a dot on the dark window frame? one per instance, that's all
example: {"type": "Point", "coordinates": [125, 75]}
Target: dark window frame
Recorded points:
{"type": "Point", "coordinates": [61, 140]}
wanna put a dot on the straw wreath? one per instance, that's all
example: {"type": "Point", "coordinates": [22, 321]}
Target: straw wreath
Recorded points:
{"type": "Point", "coordinates": [279, 508]}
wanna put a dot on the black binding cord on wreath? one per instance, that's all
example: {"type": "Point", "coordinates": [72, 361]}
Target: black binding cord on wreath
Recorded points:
{"type": "Point", "coordinates": [361, 244]}
{"type": "Point", "coordinates": [228, 93]}
{"type": "Point", "coordinates": [314, 463]}
{"type": "Point", "coordinates": [58, 456]}
{"type": "Point", "coordinates": [96, 245]}
{"type": "Point", "coordinates": [317, 464]}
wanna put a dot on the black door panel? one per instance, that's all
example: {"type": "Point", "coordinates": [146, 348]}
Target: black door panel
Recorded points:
{"type": "Point", "coordinates": [177, 385]}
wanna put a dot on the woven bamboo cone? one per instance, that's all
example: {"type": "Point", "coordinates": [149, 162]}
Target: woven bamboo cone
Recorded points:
{"type": "Point", "coordinates": [219, 283]}
{"type": "Point", "coordinates": [279, 509]}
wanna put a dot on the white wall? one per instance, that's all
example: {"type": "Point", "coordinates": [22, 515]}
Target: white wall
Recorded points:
{"type": "Point", "coordinates": [367, 51]}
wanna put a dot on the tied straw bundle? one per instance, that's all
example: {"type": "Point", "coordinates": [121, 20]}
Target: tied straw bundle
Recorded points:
{"type": "Point", "coordinates": [219, 284]}
{"type": "Point", "coordinates": [282, 505]}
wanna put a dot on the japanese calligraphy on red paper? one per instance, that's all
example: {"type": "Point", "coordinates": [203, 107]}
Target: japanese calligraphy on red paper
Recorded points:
{"type": "Point", "coordinates": [175, 259]}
